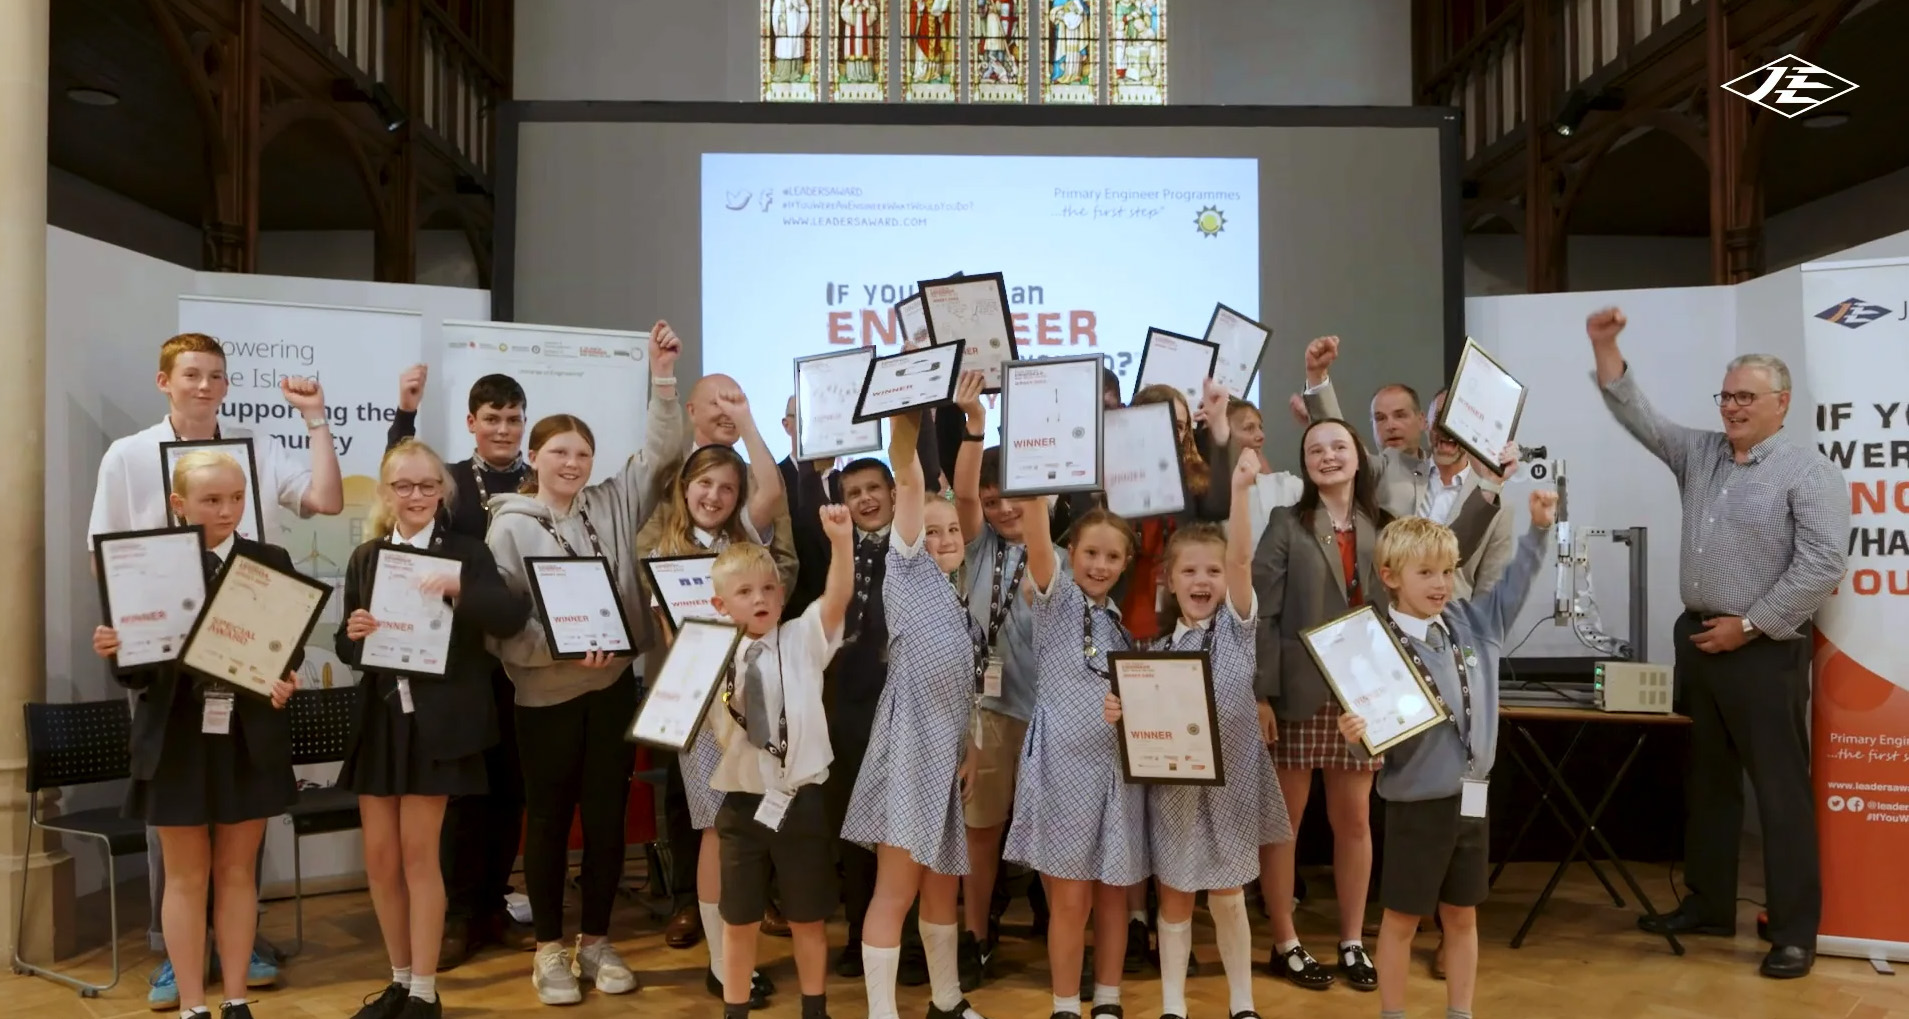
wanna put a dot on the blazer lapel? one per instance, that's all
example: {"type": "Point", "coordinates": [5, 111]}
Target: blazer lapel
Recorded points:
{"type": "Point", "coordinates": [1475, 514]}
{"type": "Point", "coordinates": [1369, 586]}
{"type": "Point", "coordinates": [1322, 537]}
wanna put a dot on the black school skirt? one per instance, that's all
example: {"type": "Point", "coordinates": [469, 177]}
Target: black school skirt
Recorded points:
{"type": "Point", "coordinates": [390, 759]}
{"type": "Point", "coordinates": [204, 778]}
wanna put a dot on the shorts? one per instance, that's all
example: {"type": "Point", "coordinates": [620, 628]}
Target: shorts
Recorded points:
{"type": "Point", "coordinates": [1432, 856]}
{"type": "Point", "coordinates": [1315, 742]}
{"type": "Point", "coordinates": [803, 852]}
{"type": "Point", "coordinates": [998, 765]}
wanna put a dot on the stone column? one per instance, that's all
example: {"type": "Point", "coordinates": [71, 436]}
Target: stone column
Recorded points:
{"type": "Point", "coordinates": [23, 101]}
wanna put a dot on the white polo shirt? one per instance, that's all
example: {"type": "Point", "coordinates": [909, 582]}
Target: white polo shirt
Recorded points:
{"type": "Point", "coordinates": [131, 494]}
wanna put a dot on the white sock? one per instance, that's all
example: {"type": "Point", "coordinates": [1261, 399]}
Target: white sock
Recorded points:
{"type": "Point", "coordinates": [1137, 916]}
{"type": "Point", "coordinates": [1283, 946]}
{"type": "Point", "coordinates": [424, 988]}
{"type": "Point", "coordinates": [878, 974]}
{"type": "Point", "coordinates": [1176, 946]}
{"type": "Point", "coordinates": [232, 1001]}
{"type": "Point", "coordinates": [1105, 995]}
{"type": "Point", "coordinates": [1235, 935]}
{"type": "Point", "coordinates": [713, 935]}
{"type": "Point", "coordinates": [1351, 943]}
{"type": "Point", "coordinates": [194, 1012]}
{"type": "Point", "coordinates": [401, 975]}
{"type": "Point", "coordinates": [942, 943]}
{"type": "Point", "coordinates": [1067, 1005]}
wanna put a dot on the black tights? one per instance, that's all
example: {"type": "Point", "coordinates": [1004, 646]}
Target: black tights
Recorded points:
{"type": "Point", "coordinates": [574, 755]}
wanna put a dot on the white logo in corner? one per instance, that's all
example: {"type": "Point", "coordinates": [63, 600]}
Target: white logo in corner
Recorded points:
{"type": "Point", "coordinates": [1790, 85]}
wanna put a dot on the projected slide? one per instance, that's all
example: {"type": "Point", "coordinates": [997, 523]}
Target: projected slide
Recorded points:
{"type": "Point", "coordinates": [808, 253]}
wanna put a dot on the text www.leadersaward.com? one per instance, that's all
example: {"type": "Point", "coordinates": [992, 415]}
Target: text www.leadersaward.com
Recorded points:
{"type": "Point", "coordinates": [1847, 797]}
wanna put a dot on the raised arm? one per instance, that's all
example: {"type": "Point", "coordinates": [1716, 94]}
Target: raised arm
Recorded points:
{"type": "Point", "coordinates": [404, 424]}
{"type": "Point", "coordinates": [841, 583]}
{"type": "Point", "coordinates": [325, 494]}
{"type": "Point", "coordinates": [967, 465]}
{"type": "Point", "coordinates": [904, 431]}
{"type": "Point", "coordinates": [1322, 401]}
{"type": "Point", "coordinates": [1493, 614]}
{"type": "Point", "coordinates": [1666, 439]}
{"type": "Point", "coordinates": [1820, 504]}
{"type": "Point", "coordinates": [1239, 534]}
{"type": "Point", "coordinates": [1217, 451]}
{"type": "Point", "coordinates": [1037, 531]}
{"type": "Point", "coordinates": [766, 497]}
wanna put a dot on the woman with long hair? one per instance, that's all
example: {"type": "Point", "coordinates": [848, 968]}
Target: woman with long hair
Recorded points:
{"type": "Point", "coordinates": [1314, 564]}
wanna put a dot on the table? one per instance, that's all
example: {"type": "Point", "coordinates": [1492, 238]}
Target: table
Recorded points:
{"type": "Point", "coordinates": [1588, 839]}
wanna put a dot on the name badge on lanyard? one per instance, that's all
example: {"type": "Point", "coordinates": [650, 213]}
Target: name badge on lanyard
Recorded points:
{"type": "Point", "coordinates": [404, 696]}
{"type": "Point", "coordinates": [217, 717]}
{"type": "Point", "coordinates": [775, 807]}
{"type": "Point", "coordinates": [1471, 797]}
{"type": "Point", "coordinates": [991, 676]}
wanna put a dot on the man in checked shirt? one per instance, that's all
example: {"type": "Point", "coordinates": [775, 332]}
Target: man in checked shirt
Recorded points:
{"type": "Point", "coordinates": [1765, 523]}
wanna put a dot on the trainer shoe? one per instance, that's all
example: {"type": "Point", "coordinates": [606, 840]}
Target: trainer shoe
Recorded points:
{"type": "Point", "coordinates": [551, 976]}
{"type": "Point", "coordinates": [605, 969]}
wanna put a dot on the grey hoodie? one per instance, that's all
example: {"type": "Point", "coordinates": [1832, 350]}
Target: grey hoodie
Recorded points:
{"type": "Point", "coordinates": [617, 506]}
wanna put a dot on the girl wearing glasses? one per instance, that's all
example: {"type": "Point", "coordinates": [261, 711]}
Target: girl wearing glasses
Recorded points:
{"type": "Point", "coordinates": [419, 740]}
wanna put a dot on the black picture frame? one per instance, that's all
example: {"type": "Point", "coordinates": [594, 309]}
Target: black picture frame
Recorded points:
{"type": "Point", "coordinates": [797, 451]}
{"type": "Point", "coordinates": [1116, 659]}
{"type": "Point", "coordinates": [289, 650]}
{"type": "Point", "coordinates": [1146, 352]}
{"type": "Point", "coordinates": [1489, 457]}
{"type": "Point", "coordinates": [250, 463]}
{"type": "Point", "coordinates": [1439, 714]}
{"type": "Point", "coordinates": [1091, 484]}
{"type": "Point", "coordinates": [100, 541]}
{"type": "Point", "coordinates": [656, 586]}
{"type": "Point", "coordinates": [938, 337]}
{"type": "Point", "coordinates": [1259, 357]}
{"type": "Point", "coordinates": [543, 614]}
{"type": "Point", "coordinates": [941, 399]}
{"type": "Point", "coordinates": [371, 589]}
{"type": "Point", "coordinates": [708, 697]}
{"type": "Point", "coordinates": [1174, 463]}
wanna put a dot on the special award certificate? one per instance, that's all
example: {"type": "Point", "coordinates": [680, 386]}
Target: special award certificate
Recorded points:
{"type": "Point", "coordinates": [577, 603]}
{"type": "Point", "coordinates": [1143, 476]}
{"type": "Point", "coordinates": [254, 622]}
{"type": "Point", "coordinates": [973, 312]}
{"type": "Point", "coordinates": [237, 449]}
{"type": "Point", "coordinates": [1169, 721]}
{"type": "Point", "coordinates": [910, 380]}
{"type": "Point", "coordinates": [1180, 362]}
{"type": "Point", "coordinates": [827, 387]}
{"type": "Point", "coordinates": [414, 628]}
{"type": "Point", "coordinates": [1372, 677]}
{"type": "Point", "coordinates": [672, 714]}
{"type": "Point", "coordinates": [1484, 404]}
{"type": "Point", "coordinates": [682, 586]}
{"type": "Point", "coordinates": [151, 586]}
{"type": "Point", "coordinates": [1050, 426]}
{"type": "Point", "coordinates": [1241, 342]}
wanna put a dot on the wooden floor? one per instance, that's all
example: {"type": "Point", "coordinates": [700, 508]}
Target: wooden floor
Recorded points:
{"type": "Point", "coordinates": [1584, 959]}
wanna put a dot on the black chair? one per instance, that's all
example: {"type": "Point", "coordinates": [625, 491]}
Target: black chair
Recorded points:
{"type": "Point", "coordinates": [70, 745]}
{"type": "Point", "coordinates": [320, 722]}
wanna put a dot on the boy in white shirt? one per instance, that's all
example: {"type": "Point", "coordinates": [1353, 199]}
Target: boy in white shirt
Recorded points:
{"type": "Point", "coordinates": [776, 754]}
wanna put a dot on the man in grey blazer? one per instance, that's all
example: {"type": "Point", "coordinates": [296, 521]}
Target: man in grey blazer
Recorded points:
{"type": "Point", "coordinates": [1449, 486]}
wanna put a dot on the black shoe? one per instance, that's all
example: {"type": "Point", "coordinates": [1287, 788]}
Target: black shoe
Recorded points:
{"type": "Point", "coordinates": [238, 1011]}
{"type": "Point", "coordinates": [1685, 921]}
{"type": "Point", "coordinates": [973, 962]}
{"type": "Point", "coordinates": [418, 1008]}
{"type": "Point", "coordinates": [1139, 951]}
{"type": "Point", "coordinates": [1299, 967]}
{"type": "Point", "coordinates": [1787, 962]}
{"type": "Point", "coordinates": [956, 1012]}
{"type": "Point", "coordinates": [758, 993]}
{"type": "Point", "coordinates": [1065, 1015]}
{"type": "Point", "coordinates": [387, 1005]}
{"type": "Point", "coordinates": [1113, 1010]}
{"type": "Point", "coordinates": [912, 969]}
{"type": "Point", "coordinates": [848, 965]}
{"type": "Point", "coordinates": [1356, 966]}
{"type": "Point", "coordinates": [1248, 1014]}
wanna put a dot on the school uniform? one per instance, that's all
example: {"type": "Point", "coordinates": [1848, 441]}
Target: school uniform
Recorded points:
{"type": "Point", "coordinates": [855, 680]}
{"type": "Point", "coordinates": [426, 736]}
{"type": "Point", "coordinates": [995, 568]}
{"type": "Point", "coordinates": [1075, 817]}
{"type": "Point", "coordinates": [1208, 837]}
{"type": "Point", "coordinates": [908, 791]}
{"type": "Point", "coordinates": [1434, 852]}
{"type": "Point", "coordinates": [774, 734]}
{"type": "Point", "coordinates": [185, 776]}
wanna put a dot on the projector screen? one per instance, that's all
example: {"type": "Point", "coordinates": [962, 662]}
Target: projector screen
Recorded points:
{"type": "Point", "coordinates": [763, 242]}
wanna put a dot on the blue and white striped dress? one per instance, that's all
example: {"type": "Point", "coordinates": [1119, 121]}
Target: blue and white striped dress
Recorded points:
{"type": "Point", "coordinates": [908, 793]}
{"type": "Point", "coordinates": [1208, 837]}
{"type": "Point", "coordinates": [1074, 816]}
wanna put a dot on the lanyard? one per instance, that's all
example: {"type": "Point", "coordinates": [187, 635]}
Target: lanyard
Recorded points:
{"type": "Point", "coordinates": [998, 613]}
{"type": "Point", "coordinates": [588, 527]}
{"type": "Point", "coordinates": [779, 748]}
{"type": "Point", "coordinates": [1087, 648]}
{"type": "Point", "coordinates": [176, 437]}
{"type": "Point", "coordinates": [1165, 642]}
{"type": "Point", "coordinates": [1464, 688]}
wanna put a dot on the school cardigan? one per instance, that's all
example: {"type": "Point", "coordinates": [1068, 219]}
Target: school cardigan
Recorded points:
{"type": "Point", "coordinates": [456, 715]}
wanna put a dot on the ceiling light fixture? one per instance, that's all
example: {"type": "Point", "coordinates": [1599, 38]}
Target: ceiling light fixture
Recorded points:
{"type": "Point", "coordinates": [87, 96]}
{"type": "Point", "coordinates": [1826, 120]}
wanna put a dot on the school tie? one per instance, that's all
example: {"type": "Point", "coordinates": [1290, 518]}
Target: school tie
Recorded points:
{"type": "Point", "coordinates": [755, 714]}
{"type": "Point", "coordinates": [1435, 637]}
{"type": "Point", "coordinates": [865, 552]}
{"type": "Point", "coordinates": [212, 564]}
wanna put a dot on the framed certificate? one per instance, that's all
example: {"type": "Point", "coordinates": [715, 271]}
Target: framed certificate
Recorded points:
{"type": "Point", "coordinates": [1241, 342]}
{"type": "Point", "coordinates": [1372, 677]}
{"type": "Point", "coordinates": [578, 604]}
{"type": "Point", "coordinates": [682, 586]}
{"type": "Point", "coordinates": [827, 387]}
{"type": "Point", "coordinates": [413, 637]}
{"type": "Point", "coordinates": [1180, 362]}
{"type": "Point", "coordinates": [238, 449]}
{"type": "Point", "coordinates": [973, 312]}
{"type": "Point", "coordinates": [151, 588]}
{"type": "Point", "coordinates": [1050, 426]}
{"type": "Point", "coordinates": [1169, 722]}
{"type": "Point", "coordinates": [671, 715]}
{"type": "Point", "coordinates": [254, 622]}
{"type": "Point", "coordinates": [910, 380]}
{"type": "Point", "coordinates": [1482, 408]}
{"type": "Point", "coordinates": [912, 314]}
{"type": "Point", "coordinates": [1143, 476]}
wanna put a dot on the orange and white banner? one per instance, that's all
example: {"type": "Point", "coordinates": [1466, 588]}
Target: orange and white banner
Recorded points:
{"type": "Point", "coordinates": [1856, 343]}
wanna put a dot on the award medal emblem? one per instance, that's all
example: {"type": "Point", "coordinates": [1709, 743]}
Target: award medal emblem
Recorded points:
{"type": "Point", "coordinates": [188, 604]}
{"type": "Point", "coordinates": [1193, 730]}
{"type": "Point", "coordinates": [1079, 432]}
{"type": "Point", "coordinates": [277, 645]}
{"type": "Point", "coordinates": [437, 624]}
{"type": "Point", "coordinates": [603, 612]}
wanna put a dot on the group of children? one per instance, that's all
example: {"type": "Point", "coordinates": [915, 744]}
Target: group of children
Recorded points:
{"type": "Point", "coordinates": [982, 612]}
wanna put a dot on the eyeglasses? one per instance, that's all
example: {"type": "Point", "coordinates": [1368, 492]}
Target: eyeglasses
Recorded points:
{"type": "Point", "coordinates": [1736, 399]}
{"type": "Point", "coordinates": [406, 489]}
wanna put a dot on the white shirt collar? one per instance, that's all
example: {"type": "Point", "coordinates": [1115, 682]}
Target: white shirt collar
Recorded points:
{"type": "Point", "coordinates": [1458, 480]}
{"type": "Point", "coordinates": [422, 539]}
{"type": "Point", "coordinates": [1415, 628]}
{"type": "Point", "coordinates": [1181, 626]}
{"type": "Point", "coordinates": [880, 532]}
{"type": "Point", "coordinates": [703, 538]}
{"type": "Point", "coordinates": [224, 549]}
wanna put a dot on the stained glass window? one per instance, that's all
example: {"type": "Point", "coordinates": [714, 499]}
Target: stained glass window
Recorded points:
{"type": "Point", "coordinates": [1137, 41]}
{"type": "Point", "coordinates": [1070, 72]}
{"type": "Point", "coordinates": [930, 51]}
{"type": "Point", "coordinates": [858, 51]}
{"type": "Point", "coordinates": [791, 51]}
{"type": "Point", "coordinates": [997, 69]}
